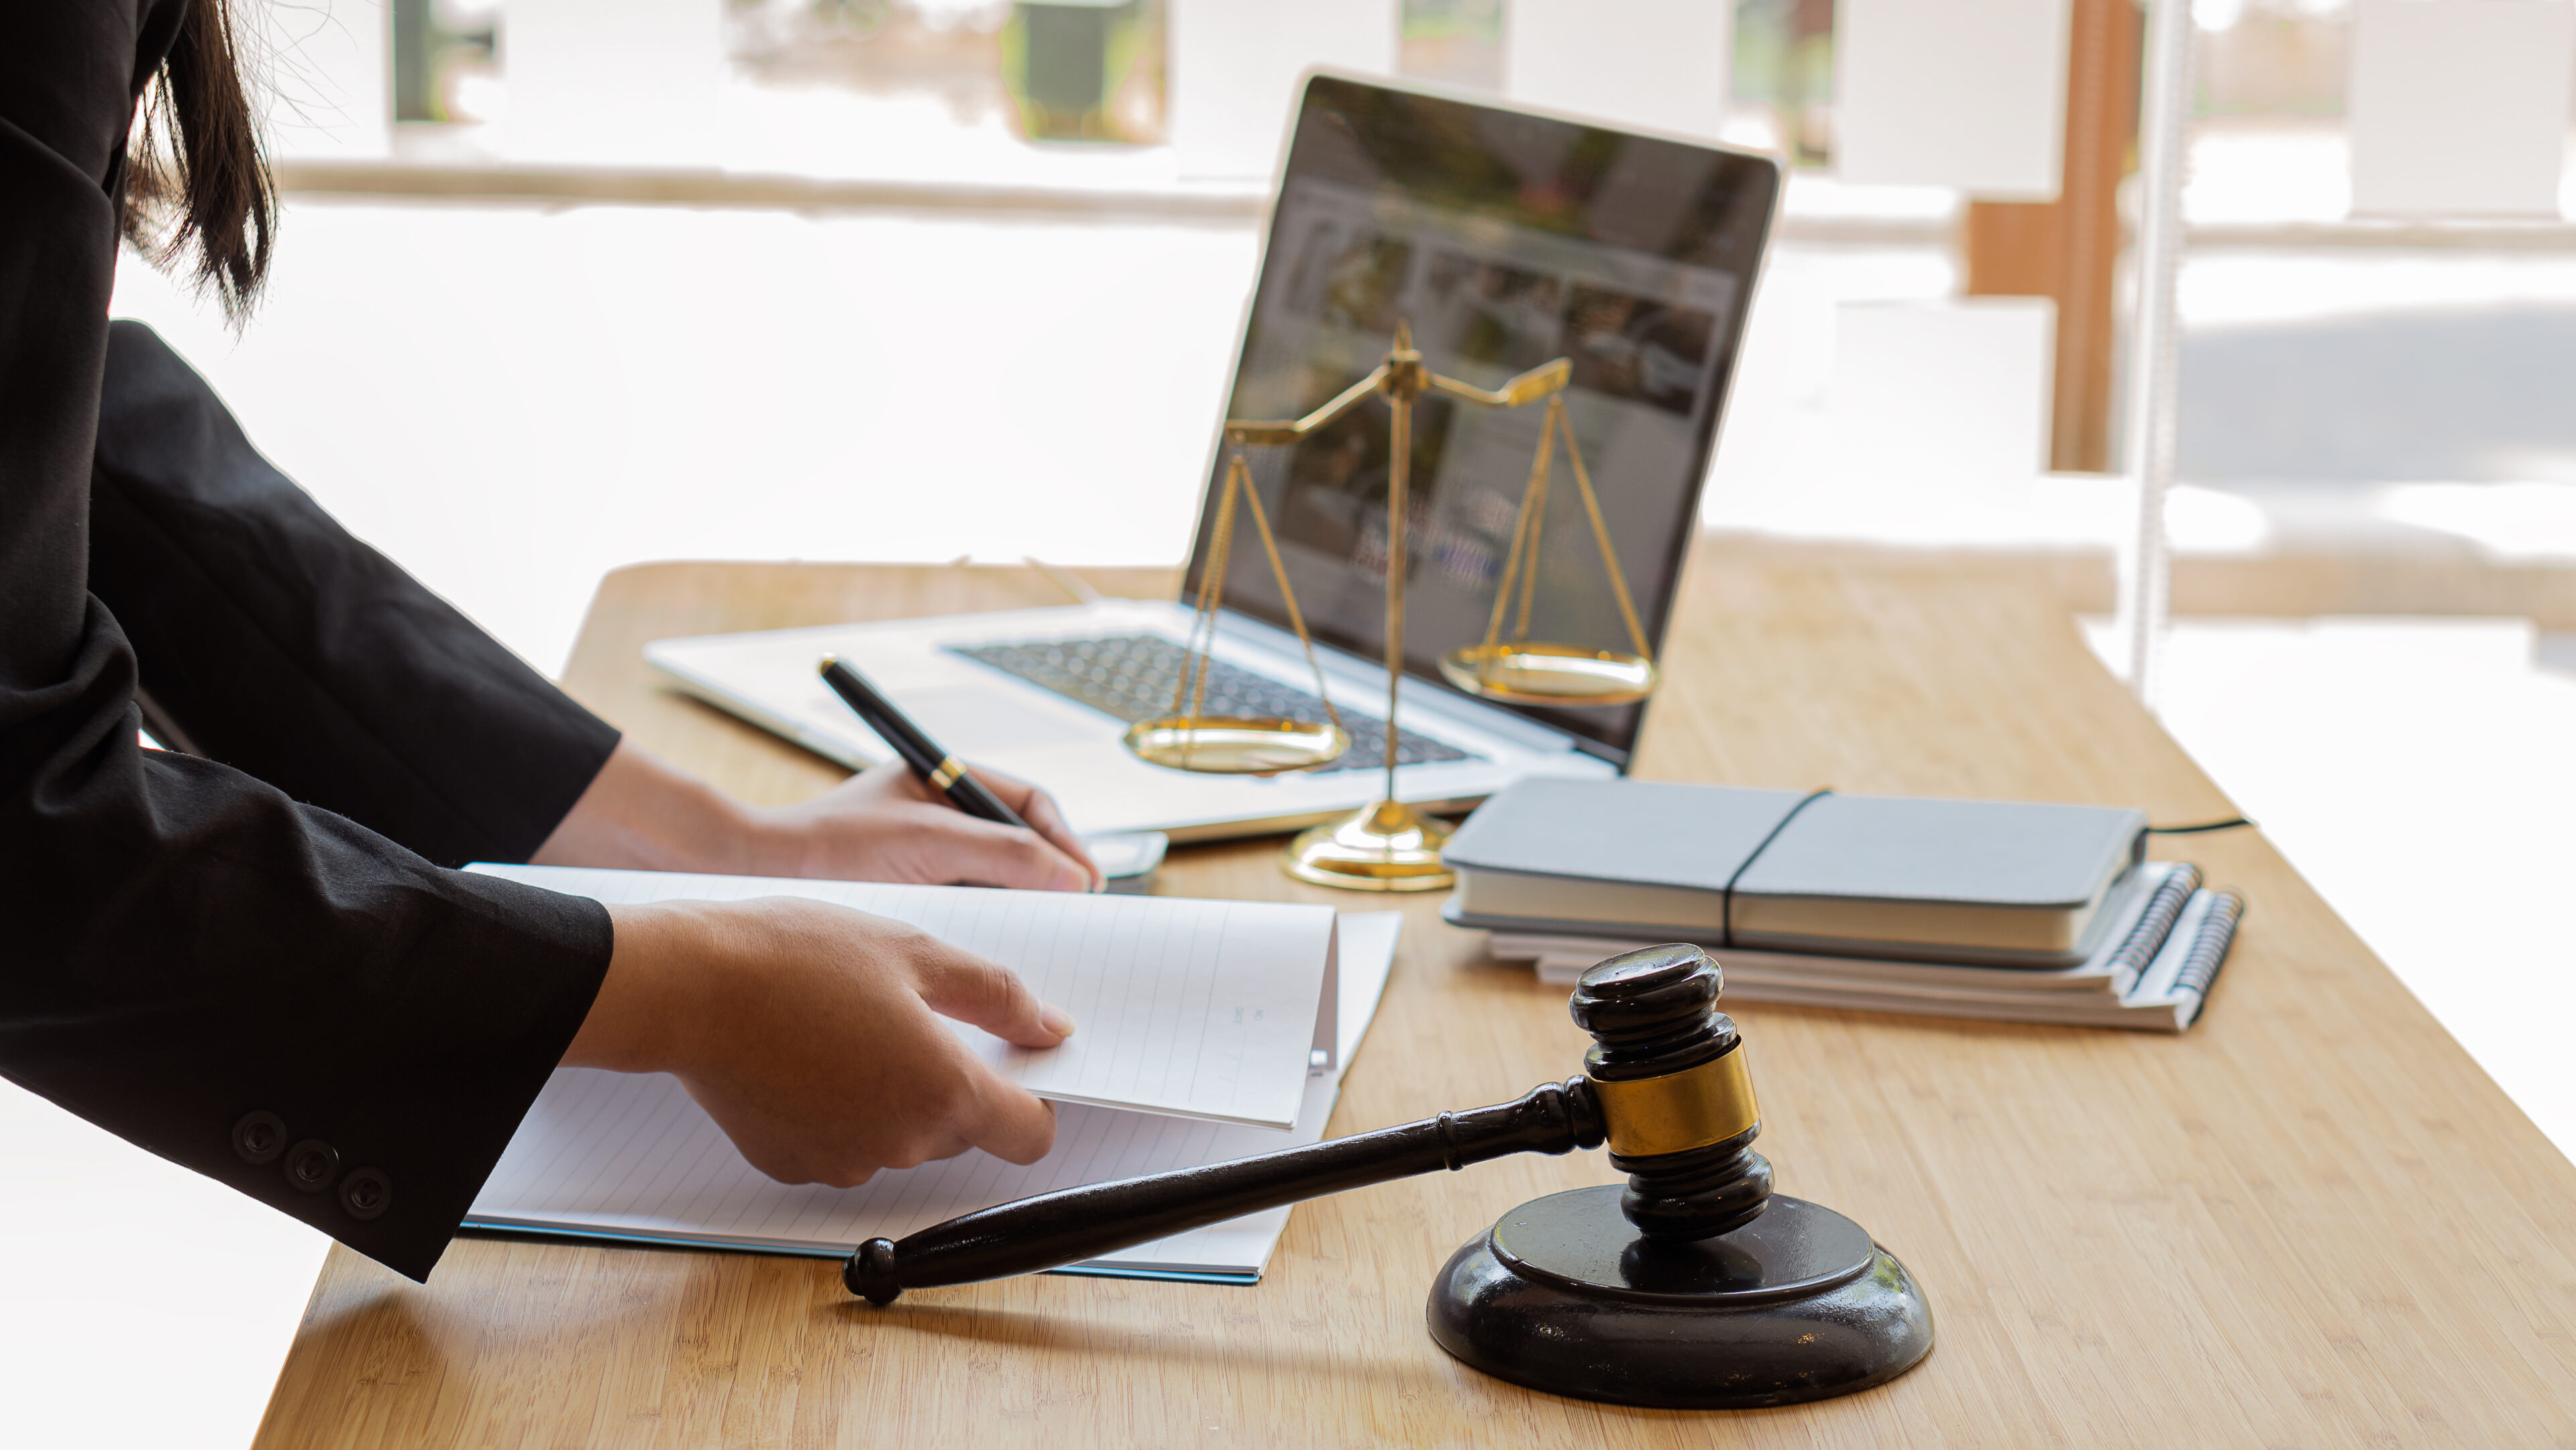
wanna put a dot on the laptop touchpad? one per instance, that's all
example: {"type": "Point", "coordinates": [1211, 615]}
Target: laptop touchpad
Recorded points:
{"type": "Point", "coordinates": [978, 718]}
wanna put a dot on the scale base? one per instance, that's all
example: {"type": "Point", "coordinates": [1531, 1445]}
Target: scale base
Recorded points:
{"type": "Point", "coordinates": [1564, 1296]}
{"type": "Point", "coordinates": [1389, 846]}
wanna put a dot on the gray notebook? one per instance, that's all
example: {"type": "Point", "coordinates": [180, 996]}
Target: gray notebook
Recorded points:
{"type": "Point", "coordinates": [2010, 882]}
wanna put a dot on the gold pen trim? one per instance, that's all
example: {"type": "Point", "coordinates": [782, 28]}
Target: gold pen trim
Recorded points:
{"type": "Point", "coordinates": [1692, 1108]}
{"type": "Point", "coordinates": [946, 775]}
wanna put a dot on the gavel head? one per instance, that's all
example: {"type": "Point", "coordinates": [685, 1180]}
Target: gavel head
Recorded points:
{"type": "Point", "coordinates": [1668, 1071]}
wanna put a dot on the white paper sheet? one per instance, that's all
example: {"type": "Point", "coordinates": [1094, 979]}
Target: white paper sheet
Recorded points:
{"type": "Point", "coordinates": [617, 1156]}
{"type": "Point", "coordinates": [1206, 1009]}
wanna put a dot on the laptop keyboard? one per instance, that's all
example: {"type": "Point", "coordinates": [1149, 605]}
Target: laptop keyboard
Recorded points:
{"type": "Point", "coordinates": [1131, 676]}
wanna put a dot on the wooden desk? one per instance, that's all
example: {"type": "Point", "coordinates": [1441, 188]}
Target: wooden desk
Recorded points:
{"type": "Point", "coordinates": [2312, 1221]}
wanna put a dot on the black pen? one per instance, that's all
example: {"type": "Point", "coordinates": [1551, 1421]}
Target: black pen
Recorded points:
{"type": "Point", "coordinates": [936, 767]}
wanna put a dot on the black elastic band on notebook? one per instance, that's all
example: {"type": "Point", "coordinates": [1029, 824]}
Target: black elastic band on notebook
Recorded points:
{"type": "Point", "coordinates": [1726, 907]}
{"type": "Point", "coordinates": [2232, 823]}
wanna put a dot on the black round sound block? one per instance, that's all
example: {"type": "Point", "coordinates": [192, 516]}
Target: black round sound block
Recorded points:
{"type": "Point", "coordinates": [1564, 1295]}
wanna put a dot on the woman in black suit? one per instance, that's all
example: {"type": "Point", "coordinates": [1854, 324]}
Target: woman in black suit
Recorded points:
{"type": "Point", "coordinates": [255, 958]}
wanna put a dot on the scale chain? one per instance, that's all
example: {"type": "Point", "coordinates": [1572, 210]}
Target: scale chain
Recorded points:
{"type": "Point", "coordinates": [1601, 534]}
{"type": "Point", "coordinates": [1241, 472]}
{"type": "Point", "coordinates": [1534, 489]}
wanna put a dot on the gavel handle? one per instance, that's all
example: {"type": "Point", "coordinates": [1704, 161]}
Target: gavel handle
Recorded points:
{"type": "Point", "coordinates": [1067, 1227]}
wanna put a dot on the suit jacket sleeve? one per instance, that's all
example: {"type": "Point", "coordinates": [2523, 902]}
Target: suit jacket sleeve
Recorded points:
{"type": "Point", "coordinates": [276, 643]}
{"type": "Point", "coordinates": [252, 981]}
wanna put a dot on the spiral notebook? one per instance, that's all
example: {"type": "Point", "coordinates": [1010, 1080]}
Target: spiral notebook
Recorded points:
{"type": "Point", "coordinates": [632, 1158]}
{"type": "Point", "coordinates": [2153, 971]}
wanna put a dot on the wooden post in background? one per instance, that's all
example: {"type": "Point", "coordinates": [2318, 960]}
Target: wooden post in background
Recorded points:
{"type": "Point", "coordinates": [2069, 249]}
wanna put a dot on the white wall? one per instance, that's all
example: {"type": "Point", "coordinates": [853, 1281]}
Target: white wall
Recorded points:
{"type": "Point", "coordinates": [613, 80]}
{"type": "Point", "coordinates": [1659, 64]}
{"type": "Point", "coordinates": [2459, 107]}
{"type": "Point", "coordinates": [1964, 93]}
{"type": "Point", "coordinates": [1235, 66]}
{"type": "Point", "coordinates": [326, 67]}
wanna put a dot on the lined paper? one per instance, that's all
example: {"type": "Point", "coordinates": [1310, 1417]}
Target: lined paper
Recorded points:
{"type": "Point", "coordinates": [612, 1155]}
{"type": "Point", "coordinates": [1206, 1009]}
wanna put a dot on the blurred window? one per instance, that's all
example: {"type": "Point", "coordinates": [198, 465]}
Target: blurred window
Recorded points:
{"type": "Point", "coordinates": [446, 63]}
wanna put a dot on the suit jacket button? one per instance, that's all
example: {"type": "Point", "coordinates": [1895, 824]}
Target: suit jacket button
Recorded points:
{"type": "Point", "coordinates": [311, 1165]}
{"type": "Point", "coordinates": [367, 1193]}
{"type": "Point", "coordinates": [259, 1137]}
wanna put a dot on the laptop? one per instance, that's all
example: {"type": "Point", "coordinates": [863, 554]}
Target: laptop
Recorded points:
{"type": "Point", "coordinates": [1505, 238]}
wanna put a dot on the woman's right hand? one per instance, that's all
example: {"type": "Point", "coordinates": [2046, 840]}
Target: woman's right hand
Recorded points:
{"type": "Point", "coordinates": [811, 1034]}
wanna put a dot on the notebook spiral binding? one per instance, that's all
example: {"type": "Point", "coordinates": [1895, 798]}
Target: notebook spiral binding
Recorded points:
{"type": "Point", "coordinates": [2148, 937]}
{"type": "Point", "coordinates": [2209, 946]}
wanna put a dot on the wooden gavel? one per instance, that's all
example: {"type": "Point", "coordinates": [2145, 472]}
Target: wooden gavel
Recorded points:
{"type": "Point", "coordinates": [1664, 1084]}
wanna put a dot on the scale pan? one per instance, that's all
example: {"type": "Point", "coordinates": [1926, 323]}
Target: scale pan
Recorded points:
{"type": "Point", "coordinates": [1235, 745]}
{"type": "Point", "coordinates": [1550, 674]}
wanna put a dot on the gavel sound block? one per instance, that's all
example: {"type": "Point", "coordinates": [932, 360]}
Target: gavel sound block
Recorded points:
{"type": "Point", "coordinates": [1694, 1286]}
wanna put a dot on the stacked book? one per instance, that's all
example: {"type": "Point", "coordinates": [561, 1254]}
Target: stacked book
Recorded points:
{"type": "Point", "coordinates": [2010, 911]}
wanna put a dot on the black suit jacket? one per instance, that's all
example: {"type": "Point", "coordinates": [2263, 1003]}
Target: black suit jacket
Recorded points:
{"type": "Point", "coordinates": [254, 960]}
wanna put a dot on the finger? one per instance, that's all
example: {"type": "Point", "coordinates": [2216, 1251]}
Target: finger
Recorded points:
{"type": "Point", "coordinates": [1038, 809]}
{"type": "Point", "coordinates": [929, 1147]}
{"type": "Point", "coordinates": [1009, 787]}
{"type": "Point", "coordinates": [991, 996]}
{"type": "Point", "coordinates": [894, 777]}
{"type": "Point", "coordinates": [797, 1171]}
{"type": "Point", "coordinates": [1011, 1123]}
{"type": "Point", "coordinates": [990, 852]}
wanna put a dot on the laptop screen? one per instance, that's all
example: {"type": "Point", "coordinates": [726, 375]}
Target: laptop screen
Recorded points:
{"type": "Point", "coordinates": [1505, 240]}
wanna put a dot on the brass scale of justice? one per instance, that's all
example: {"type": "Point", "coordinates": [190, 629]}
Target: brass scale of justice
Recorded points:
{"type": "Point", "coordinates": [1389, 846]}
{"type": "Point", "coordinates": [1694, 1286]}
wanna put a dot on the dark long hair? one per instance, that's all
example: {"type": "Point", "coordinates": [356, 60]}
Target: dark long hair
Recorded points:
{"type": "Point", "coordinates": [196, 179]}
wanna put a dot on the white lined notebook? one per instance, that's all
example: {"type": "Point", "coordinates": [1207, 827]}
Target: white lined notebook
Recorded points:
{"type": "Point", "coordinates": [1211, 1009]}
{"type": "Point", "coordinates": [605, 1155]}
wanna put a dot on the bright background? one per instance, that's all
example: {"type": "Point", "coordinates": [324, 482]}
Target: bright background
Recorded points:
{"type": "Point", "coordinates": [980, 348]}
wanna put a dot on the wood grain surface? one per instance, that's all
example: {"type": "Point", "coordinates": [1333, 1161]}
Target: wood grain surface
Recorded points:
{"type": "Point", "coordinates": [2311, 1221]}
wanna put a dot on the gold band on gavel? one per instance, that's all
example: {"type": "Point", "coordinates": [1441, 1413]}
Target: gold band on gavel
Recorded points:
{"type": "Point", "coordinates": [1692, 1108]}
{"type": "Point", "coordinates": [947, 773]}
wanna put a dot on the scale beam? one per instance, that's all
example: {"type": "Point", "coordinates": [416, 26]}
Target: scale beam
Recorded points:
{"type": "Point", "coordinates": [1520, 392]}
{"type": "Point", "coordinates": [1255, 431]}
